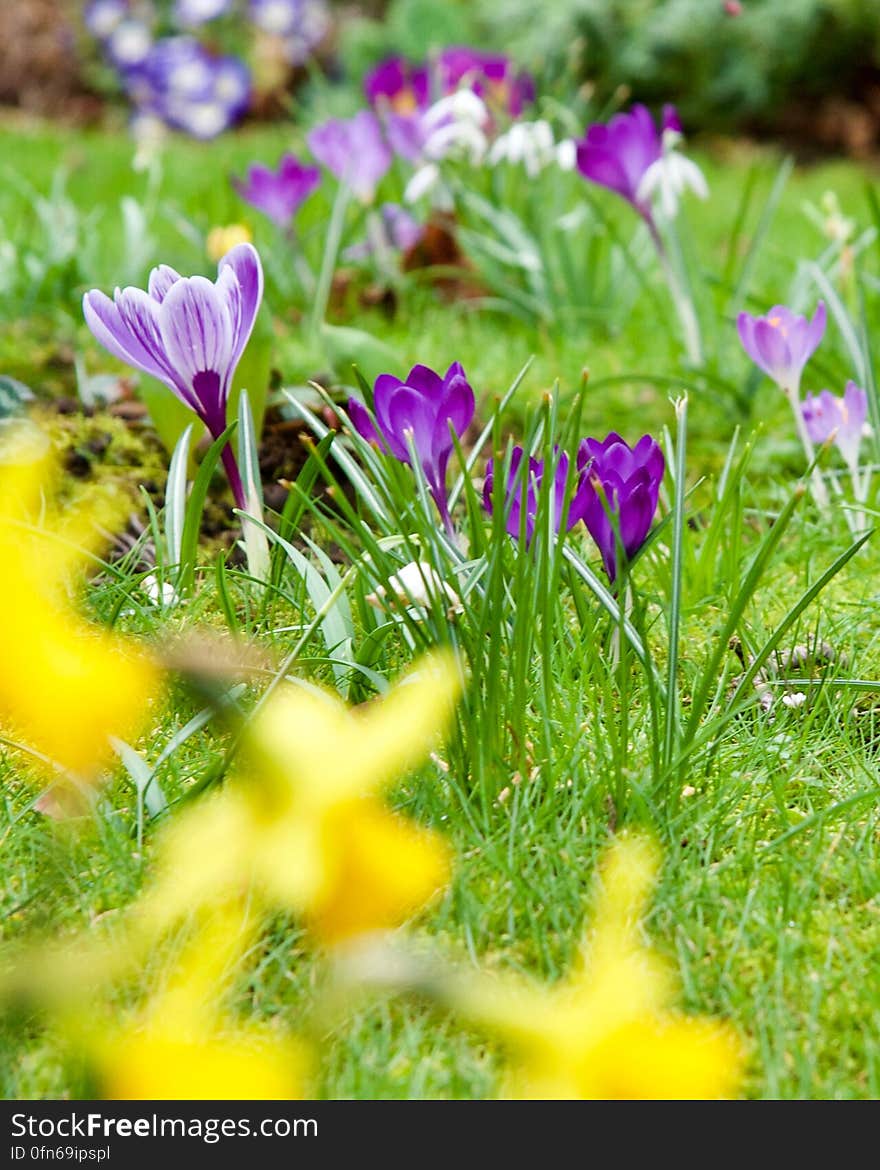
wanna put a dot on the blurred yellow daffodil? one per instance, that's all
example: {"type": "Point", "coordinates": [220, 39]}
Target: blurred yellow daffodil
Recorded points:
{"type": "Point", "coordinates": [179, 1048]}
{"type": "Point", "coordinates": [66, 685]}
{"type": "Point", "coordinates": [607, 1032]}
{"type": "Point", "coordinates": [303, 824]}
{"type": "Point", "coordinates": [223, 239]}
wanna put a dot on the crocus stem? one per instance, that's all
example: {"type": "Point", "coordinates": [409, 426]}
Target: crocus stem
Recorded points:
{"type": "Point", "coordinates": [684, 306]}
{"type": "Point", "coordinates": [328, 261]}
{"type": "Point", "coordinates": [234, 477]}
{"type": "Point", "coordinates": [820, 491]}
{"type": "Point", "coordinates": [301, 266]}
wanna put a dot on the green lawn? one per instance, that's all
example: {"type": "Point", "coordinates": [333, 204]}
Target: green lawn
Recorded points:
{"type": "Point", "coordinates": [768, 903]}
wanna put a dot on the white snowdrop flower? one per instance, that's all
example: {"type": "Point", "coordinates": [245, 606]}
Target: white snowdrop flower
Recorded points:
{"type": "Point", "coordinates": [529, 143]}
{"type": "Point", "coordinates": [416, 584]}
{"type": "Point", "coordinates": [566, 154]}
{"type": "Point", "coordinates": [422, 181]}
{"type": "Point", "coordinates": [461, 106]}
{"type": "Point", "coordinates": [667, 179]}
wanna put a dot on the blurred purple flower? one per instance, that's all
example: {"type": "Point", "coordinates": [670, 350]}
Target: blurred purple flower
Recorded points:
{"type": "Point", "coordinates": [827, 416]}
{"type": "Point", "coordinates": [188, 332]}
{"type": "Point", "coordinates": [301, 24]}
{"type": "Point", "coordinates": [781, 343]}
{"type": "Point", "coordinates": [620, 482]}
{"type": "Point", "coordinates": [492, 76]}
{"type": "Point", "coordinates": [399, 86]}
{"type": "Point", "coordinates": [513, 494]}
{"type": "Point", "coordinates": [101, 17]}
{"type": "Point", "coordinates": [617, 155]}
{"type": "Point", "coordinates": [419, 411]}
{"type": "Point", "coordinates": [196, 12]}
{"type": "Point", "coordinates": [189, 88]}
{"type": "Point", "coordinates": [354, 150]}
{"type": "Point", "coordinates": [129, 44]}
{"type": "Point", "coordinates": [399, 232]}
{"type": "Point", "coordinates": [278, 194]}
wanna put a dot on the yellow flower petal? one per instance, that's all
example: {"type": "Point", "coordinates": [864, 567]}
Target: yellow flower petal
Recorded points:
{"type": "Point", "coordinates": [66, 685]}
{"type": "Point", "coordinates": [386, 868]}
{"type": "Point", "coordinates": [236, 1066]}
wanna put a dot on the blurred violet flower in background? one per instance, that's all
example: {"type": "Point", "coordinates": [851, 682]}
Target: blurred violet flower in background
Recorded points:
{"type": "Point", "coordinates": [129, 44]}
{"type": "Point", "coordinates": [397, 231]}
{"type": "Point", "coordinates": [419, 411]}
{"type": "Point", "coordinates": [841, 419]}
{"type": "Point", "coordinates": [195, 12]}
{"type": "Point", "coordinates": [189, 88]}
{"type": "Point", "coordinates": [278, 194]}
{"type": "Point", "coordinates": [781, 343]}
{"type": "Point", "coordinates": [189, 333]}
{"type": "Point", "coordinates": [513, 494]}
{"type": "Point", "coordinates": [301, 24]}
{"type": "Point", "coordinates": [618, 155]}
{"type": "Point", "coordinates": [354, 150]}
{"type": "Point", "coordinates": [399, 86]}
{"type": "Point", "coordinates": [101, 17]}
{"type": "Point", "coordinates": [491, 76]}
{"type": "Point", "coordinates": [622, 482]}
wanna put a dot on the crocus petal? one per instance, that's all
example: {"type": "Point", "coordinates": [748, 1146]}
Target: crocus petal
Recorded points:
{"type": "Point", "coordinates": [428, 383]}
{"type": "Point", "coordinates": [196, 330]}
{"type": "Point", "coordinates": [161, 280]}
{"type": "Point", "coordinates": [363, 424]}
{"type": "Point", "coordinates": [244, 261]}
{"type": "Point", "coordinates": [774, 355]}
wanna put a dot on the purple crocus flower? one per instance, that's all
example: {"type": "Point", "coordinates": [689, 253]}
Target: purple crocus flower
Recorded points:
{"type": "Point", "coordinates": [397, 231]}
{"type": "Point", "coordinates": [279, 194]}
{"type": "Point", "coordinates": [189, 88]}
{"type": "Point", "coordinates": [102, 16]}
{"type": "Point", "coordinates": [622, 482]}
{"type": "Point", "coordinates": [618, 154]}
{"type": "Point", "coordinates": [781, 343]}
{"type": "Point", "coordinates": [492, 76]}
{"type": "Point", "coordinates": [188, 332]}
{"type": "Point", "coordinates": [513, 494]}
{"type": "Point", "coordinates": [418, 411]}
{"type": "Point", "coordinates": [196, 12]}
{"type": "Point", "coordinates": [354, 150]}
{"type": "Point", "coordinates": [843, 419]}
{"type": "Point", "coordinates": [399, 86]}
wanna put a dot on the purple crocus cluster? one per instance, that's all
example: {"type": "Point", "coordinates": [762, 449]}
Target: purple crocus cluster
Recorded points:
{"type": "Point", "coordinates": [414, 417]}
{"type": "Point", "coordinates": [615, 488]}
{"type": "Point", "coordinates": [188, 87]}
{"type": "Point", "coordinates": [176, 77]}
{"type": "Point", "coordinates": [405, 87]}
{"type": "Point", "coordinates": [615, 492]}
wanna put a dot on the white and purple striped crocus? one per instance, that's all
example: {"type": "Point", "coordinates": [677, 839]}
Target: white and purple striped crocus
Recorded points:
{"type": "Point", "coordinates": [620, 489]}
{"type": "Point", "coordinates": [416, 414]}
{"type": "Point", "coordinates": [354, 150]}
{"type": "Point", "coordinates": [279, 194]}
{"type": "Point", "coordinates": [189, 332]}
{"type": "Point", "coordinates": [522, 492]}
{"type": "Point", "coordinates": [781, 343]}
{"type": "Point", "coordinates": [841, 419]}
